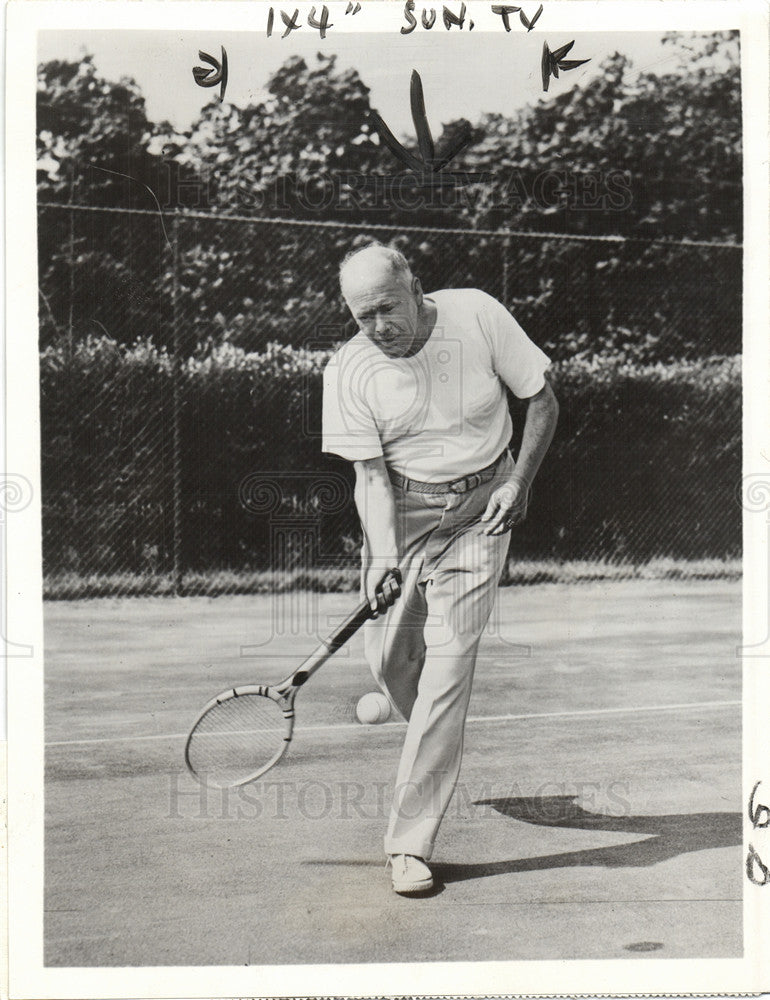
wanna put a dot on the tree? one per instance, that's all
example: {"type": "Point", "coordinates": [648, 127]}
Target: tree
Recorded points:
{"type": "Point", "coordinates": [640, 155]}
{"type": "Point", "coordinates": [97, 272]}
{"type": "Point", "coordinates": [674, 137]}
{"type": "Point", "coordinates": [92, 137]}
{"type": "Point", "coordinates": [289, 153]}
{"type": "Point", "coordinates": [630, 154]}
{"type": "Point", "coordinates": [296, 153]}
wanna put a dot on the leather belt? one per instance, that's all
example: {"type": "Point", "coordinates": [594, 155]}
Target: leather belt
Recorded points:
{"type": "Point", "coordinates": [461, 485]}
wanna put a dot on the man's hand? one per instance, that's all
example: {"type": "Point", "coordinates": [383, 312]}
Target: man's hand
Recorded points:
{"type": "Point", "coordinates": [507, 506]}
{"type": "Point", "coordinates": [381, 589]}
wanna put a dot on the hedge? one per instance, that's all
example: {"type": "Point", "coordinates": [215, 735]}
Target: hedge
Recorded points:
{"type": "Point", "coordinates": [645, 463]}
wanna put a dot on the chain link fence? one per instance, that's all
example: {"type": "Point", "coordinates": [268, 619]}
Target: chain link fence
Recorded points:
{"type": "Point", "coordinates": [181, 357]}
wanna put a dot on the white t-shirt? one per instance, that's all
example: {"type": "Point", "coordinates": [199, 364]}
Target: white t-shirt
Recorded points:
{"type": "Point", "coordinates": [441, 413]}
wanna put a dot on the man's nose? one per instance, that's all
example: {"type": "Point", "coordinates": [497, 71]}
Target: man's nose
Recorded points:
{"type": "Point", "coordinates": [380, 324]}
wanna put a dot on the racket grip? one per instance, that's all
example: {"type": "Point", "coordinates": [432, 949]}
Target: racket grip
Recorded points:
{"type": "Point", "coordinates": [341, 635]}
{"type": "Point", "coordinates": [362, 614]}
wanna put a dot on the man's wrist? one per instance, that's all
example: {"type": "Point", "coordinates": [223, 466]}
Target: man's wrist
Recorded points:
{"type": "Point", "coordinates": [383, 560]}
{"type": "Point", "coordinates": [517, 479]}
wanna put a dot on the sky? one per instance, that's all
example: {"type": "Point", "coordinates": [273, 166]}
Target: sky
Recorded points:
{"type": "Point", "coordinates": [463, 75]}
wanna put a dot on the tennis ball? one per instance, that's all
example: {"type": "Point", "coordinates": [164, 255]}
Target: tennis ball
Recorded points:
{"type": "Point", "coordinates": [373, 708]}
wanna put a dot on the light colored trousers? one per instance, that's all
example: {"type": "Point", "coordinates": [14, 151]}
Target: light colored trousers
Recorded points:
{"type": "Point", "coordinates": [422, 652]}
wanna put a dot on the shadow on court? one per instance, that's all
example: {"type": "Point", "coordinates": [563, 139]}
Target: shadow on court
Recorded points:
{"type": "Point", "coordinates": [666, 837]}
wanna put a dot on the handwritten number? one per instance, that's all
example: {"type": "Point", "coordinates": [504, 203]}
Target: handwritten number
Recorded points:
{"type": "Point", "coordinates": [759, 814]}
{"type": "Point", "coordinates": [756, 870]}
{"type": "Point", "coordinates": [323, 24]}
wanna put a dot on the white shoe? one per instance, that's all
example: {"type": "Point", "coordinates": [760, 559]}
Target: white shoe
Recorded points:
{"type": "Point", "coordinates": [410, 874]}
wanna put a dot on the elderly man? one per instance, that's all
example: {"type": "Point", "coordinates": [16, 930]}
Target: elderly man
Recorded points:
{"type": "Point", "coordinates": [417, 401]}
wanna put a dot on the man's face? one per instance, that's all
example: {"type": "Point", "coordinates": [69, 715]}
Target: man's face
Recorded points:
{"type": "Point", "coordinates": [384, 304]}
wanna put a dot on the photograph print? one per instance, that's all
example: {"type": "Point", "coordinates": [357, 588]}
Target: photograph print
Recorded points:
{"type": "Point", "coordinates": [390, 440]}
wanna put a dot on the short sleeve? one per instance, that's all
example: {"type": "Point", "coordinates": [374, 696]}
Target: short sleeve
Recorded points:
{"type": "Point", "coordinates": [516, 359]}
{"type": "Point", "coordinates": [349, 428]}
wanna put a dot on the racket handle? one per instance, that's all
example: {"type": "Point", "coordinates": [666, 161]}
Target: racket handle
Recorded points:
{"type": "Point", "coordinates": [340, 636]}
{"type": "Point", "coordinates": [349, 627]}
{"type": "Point", "coordinates": [362, 614]}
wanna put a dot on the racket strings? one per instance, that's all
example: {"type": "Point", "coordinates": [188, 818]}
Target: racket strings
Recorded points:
{"type": "Point", "coordinates": [236, 739]}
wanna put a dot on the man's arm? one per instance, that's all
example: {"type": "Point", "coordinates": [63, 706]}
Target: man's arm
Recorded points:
{"type": "Point", "coordinates": [508, 504]}
{"type": "Point", "coordinates": [376, 509]}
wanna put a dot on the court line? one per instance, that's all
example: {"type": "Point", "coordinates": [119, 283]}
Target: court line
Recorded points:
{"type": "Point", "coordinates": [586, 712]}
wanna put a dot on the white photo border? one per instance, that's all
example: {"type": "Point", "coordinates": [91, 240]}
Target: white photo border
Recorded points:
{"type": "Point", "coordinates": [29, 978]}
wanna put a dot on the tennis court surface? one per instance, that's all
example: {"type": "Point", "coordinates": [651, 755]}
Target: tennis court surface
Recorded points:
{"type": "Point", "coordinates": [597, 816]}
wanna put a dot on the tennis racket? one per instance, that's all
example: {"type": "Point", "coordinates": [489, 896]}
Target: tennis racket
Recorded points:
{"type": "Point", "coordinates": [245, 731]}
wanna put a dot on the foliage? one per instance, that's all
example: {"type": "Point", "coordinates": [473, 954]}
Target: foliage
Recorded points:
{"type": "Point", "coordinates": [92, 137]}
{"type": "Point", "coordinates": [662, 151]}
{"type": "Point", "coordinates": [278, 156]}
{"type": "Point", "coordinates": [637, 153]}
{"type": "Point", "coordinates": [644, 464]}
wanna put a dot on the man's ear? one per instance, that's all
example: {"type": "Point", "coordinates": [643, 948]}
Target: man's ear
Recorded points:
{"type": "Point", "coordinates": [417, 290]}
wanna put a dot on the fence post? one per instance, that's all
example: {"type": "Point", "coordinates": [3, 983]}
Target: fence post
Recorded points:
{"type": "Point", "coordinates": [506, 250]}
{"type": "Point", "coordinates": [176, 499]}
{"type": "Point", "coordinates": [71, 276]}
{"type": "Point", "coordinates": [70, 485]}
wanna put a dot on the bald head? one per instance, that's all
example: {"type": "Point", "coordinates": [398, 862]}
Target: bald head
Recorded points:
{"type": "Point", "coordinates": [385, 298]}
{"type": "Point", "coordinates": [375, 260]}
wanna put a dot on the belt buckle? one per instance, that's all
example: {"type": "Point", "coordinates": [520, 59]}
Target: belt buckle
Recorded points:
{"type": "Point", "coordinates": [466, 483]}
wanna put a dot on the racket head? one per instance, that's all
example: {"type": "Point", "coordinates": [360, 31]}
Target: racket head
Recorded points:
{"type": "Point", "coordinates": [239, 735]}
